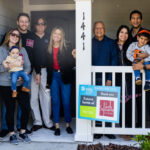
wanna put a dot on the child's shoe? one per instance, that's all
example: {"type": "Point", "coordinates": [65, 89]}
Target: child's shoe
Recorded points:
{"type": "Point", "coordinates": [13, 139]}
{"type": "Point", "coordinates": [24, 89]}
{"type": "Point", "coordinates": [24, 137]}
{"type": "Point", "coordinates": [147, 86]}
{"type": "Point", "coordinates": [138, 81]}
{"type": "Point", "coordinates": [14, 94]}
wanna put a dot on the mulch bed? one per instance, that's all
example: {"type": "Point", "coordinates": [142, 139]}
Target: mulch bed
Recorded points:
{"type": "Point", "coordinates": [108, 147]}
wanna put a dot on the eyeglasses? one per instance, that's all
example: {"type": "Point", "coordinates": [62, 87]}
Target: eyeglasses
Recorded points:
{"type": "Point", "coordinates": [15, 35]}
{"type": "Point", "coordinates": [43, 24]}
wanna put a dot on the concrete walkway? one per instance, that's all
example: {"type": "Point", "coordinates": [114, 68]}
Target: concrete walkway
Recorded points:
{"type": "Point", "coordinates": [39, 146]}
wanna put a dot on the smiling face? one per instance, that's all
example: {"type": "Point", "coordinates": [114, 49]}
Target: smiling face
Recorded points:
{"type": "Point", "coordinates": [57, 36]}
{"type": "Point", "coordinates": [14, 37]}
{"type": "Point", "coordinates": [99, 31]}
{"type": "Point", "coordinates": [23, 24]}
{"type": "Point", "coordinates": [142, 40]}
{"type": "Point", "coordinates": [123, 35]}
{"type": "Point", "coordinates": [14, 53]}
{"type": "Point", "coordinates": [136, 20]}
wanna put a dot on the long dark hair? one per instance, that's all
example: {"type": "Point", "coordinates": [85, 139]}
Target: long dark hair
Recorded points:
{"type": "Point", "coordinates": [126, 44]}
{"type": "Point", "coordinates": [119, 29]}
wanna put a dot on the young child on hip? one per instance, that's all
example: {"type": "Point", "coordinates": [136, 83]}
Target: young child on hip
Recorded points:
{"type": "Point", "coordinates": [139, 52]}
{"type": "Point", "coordinates": [15, 59]}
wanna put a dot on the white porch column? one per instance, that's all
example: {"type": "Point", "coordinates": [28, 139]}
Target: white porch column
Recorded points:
{"type": "Point", "coordinates": [83, 62]}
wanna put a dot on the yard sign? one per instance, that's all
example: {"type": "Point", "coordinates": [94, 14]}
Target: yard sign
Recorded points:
{"type": "Point", "coordinates": [100, 103]}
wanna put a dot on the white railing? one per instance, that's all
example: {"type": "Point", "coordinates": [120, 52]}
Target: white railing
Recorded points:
{"type": "Point", "coordinates": [123, 129]}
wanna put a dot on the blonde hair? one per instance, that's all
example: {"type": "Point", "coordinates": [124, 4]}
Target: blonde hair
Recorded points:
{"type": "Point", "coordinates": [7, 37]}
{"type": "Point", "coordinates": [62, 41]}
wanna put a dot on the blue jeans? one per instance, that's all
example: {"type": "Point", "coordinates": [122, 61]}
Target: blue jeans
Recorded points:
{"type": "Point", "coordinates": [29, 83]}
{"type": "Point", "coordinates": [57, 85]}
{"type": "Point", "coordinates": [16, 75]}
{"type": "Point", "coordinates": [147, 72]}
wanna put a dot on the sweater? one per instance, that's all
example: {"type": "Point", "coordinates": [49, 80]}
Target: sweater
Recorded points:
{"type": "Point", "coordinates": [104, 53]}
{"type": "Point", "coordinates": [16, 61]}
{"type": "Point", "coordinates": [133, 46]}
{"type": "Point", "coordinates": [5, 79]}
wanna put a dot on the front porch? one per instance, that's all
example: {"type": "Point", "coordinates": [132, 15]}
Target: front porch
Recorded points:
{"type": "Point", "coordinates": [84, 129]}
{"type": "Point", "coordinates": [46, 139]}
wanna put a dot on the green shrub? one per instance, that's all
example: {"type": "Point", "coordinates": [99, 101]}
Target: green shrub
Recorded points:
{"type": "Point", "coordinates": [143, 141]}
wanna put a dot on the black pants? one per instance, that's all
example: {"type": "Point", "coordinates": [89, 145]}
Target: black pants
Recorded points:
{"type": "Point", "coordinates": [148, 103]}
{"type": "Point", "coordinates": [23, 101]}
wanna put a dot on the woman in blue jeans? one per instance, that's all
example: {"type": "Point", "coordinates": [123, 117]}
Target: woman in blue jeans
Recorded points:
{"type": "Point", "coordinates": [60, 75]}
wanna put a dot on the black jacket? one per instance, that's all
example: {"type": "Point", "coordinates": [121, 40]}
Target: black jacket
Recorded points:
{"type": "Point", "coordinates": [40, 52]}
{"type": "Point", "coordinates": [28, 42]}
{"type": "Point", "coordinates": [122, 59]}
{"type": "Point", "coordinates": [133, 39]}
{"type": "Point", "coordinates": [66, 63]}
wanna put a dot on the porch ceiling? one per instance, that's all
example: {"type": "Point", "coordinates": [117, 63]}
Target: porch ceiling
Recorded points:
{"type": "Point", "coordinates": [40, 2]}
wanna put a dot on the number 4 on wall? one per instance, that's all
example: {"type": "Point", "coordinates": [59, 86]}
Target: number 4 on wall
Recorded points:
{"type": "Point", "coordinates": [83, 26]}
{"type": "Point", "coordinates": [83, 36]}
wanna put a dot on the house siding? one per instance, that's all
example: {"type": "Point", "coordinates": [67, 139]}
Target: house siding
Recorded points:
{"type": "Point", "coordinates": [9, 10]}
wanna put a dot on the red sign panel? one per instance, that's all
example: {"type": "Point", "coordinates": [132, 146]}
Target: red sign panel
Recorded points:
{"type": "Point", "coordinates": [106, 108]}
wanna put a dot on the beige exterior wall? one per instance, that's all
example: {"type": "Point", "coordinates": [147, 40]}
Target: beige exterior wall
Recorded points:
{"type": "Point", "coordinates": [47, 5]}
{"type": "Point", "coordinates": [116, 12]}
{"type": "Point", "coordinates": [9, 10]}
{"type": "Point", "coordinates": [38, 2]}
{"type": "Point", "coordinates": [112, 12]}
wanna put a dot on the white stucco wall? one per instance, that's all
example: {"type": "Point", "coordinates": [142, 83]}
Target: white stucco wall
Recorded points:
{"type": "Point", "coordinates": [9, 10]}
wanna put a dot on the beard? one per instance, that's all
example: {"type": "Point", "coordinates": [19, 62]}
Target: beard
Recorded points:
{"type": "Point", "coordinates": [22, 30]}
